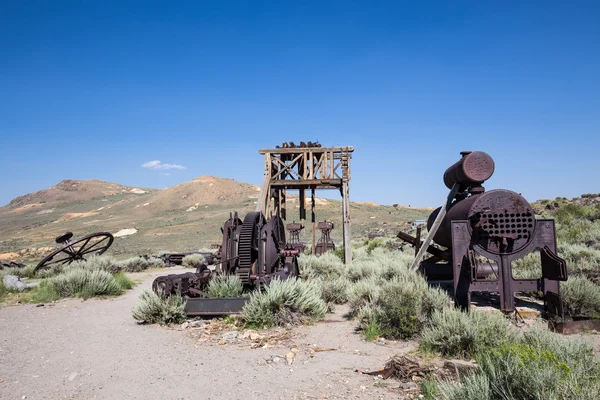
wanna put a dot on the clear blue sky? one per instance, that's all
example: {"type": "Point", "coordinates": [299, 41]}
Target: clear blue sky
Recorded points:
{"type": "Point", "coordinates": [95, 89]}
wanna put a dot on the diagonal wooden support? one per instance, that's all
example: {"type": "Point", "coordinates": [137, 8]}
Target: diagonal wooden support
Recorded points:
{"type": "Point", "coordinates": [436, 224]}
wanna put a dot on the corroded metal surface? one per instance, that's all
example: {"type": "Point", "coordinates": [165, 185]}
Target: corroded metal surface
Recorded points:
{"type": "Point", "coordinates": [485, 232]}
{"type": "Point", "coordinates": [473, 168]}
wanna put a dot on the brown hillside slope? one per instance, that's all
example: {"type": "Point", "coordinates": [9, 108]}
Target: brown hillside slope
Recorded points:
{"type": "Point", "coordinates": [184, 217]}
{"type": "Point", "coordinates": [68, 191]}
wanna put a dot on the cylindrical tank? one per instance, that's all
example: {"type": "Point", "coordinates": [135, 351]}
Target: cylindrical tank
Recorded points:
{"type": "Point", "coordinates": [494, 216]}
{"type": "Point", "coordinates": [473, 168]}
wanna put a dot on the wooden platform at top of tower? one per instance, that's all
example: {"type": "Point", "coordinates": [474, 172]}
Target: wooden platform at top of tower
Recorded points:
{"type": "Point", "coordinates": [307, 168]}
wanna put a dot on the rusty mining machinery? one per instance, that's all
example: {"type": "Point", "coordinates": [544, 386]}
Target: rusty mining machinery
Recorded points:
{"type": "Point", "coordinates": [325, 243]}
{"type": "Point", "coordinates": [294, 241]}
{"type": "Point", "coordinates": [255, 250]}
{"type": "Point", "coordinates": [483, 233]}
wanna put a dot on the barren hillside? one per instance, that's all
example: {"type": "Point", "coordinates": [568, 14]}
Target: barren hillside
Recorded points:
{"type": "Point", "coordinates": [184, 217]}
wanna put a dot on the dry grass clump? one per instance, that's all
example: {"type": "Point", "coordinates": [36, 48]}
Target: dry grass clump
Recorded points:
{"type": "Point", "coordinates": [285, 302]}
{"type": "Point", "coordinates": [155, 309]}
{"type": "Point", "coordinates": [225, 286]}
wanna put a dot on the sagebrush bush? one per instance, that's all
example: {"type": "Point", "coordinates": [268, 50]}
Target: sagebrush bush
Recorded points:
{"type": "Point", "coordinates": [291, 301]}
{"type": "Point", "coordinates": [225, 286]}
{"type": "Point", "coordinates": [581, 297]}
{"type": "Point", "coordinates": [194, 261]}
{"type": "Point", "coordinates": [104, 263]}
{"type": "Point", "coordinates": [138, 264]}
{"type": "Point", "coordinates": [25, 272]}
{"type": "Point", "coordinates": [579, 257]}
{"type": "Point", "coordinates": [335, 291]}
{"type": "Point", "coordinates": [538, 365]}
{"type": "Point", "coordinates": [402, 306]}
{"type": "Point", "coordinates": [85, 283]}
{"type": "Point", "coordinates": [453, 332]}
{"type": "Point", "coordinates": [327, 266]}
{"type": "Point", "coordinates": [155, 309]}
{"type": "Point", "coordinates": [362, 293]}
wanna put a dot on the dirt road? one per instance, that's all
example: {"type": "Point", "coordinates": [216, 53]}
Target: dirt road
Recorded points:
{"type": "Point", "coordinates": [94, 350]}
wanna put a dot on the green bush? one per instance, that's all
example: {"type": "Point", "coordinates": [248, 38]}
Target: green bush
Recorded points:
{"type": "Point", "coordinates": [363, 292]}
{"type": "Point", "coordinates": [225, 286]}
{"type": "Point", "coordinates": [25, 272]}
{"type": "Point", "coordinates": [539, 365]}
{"type": "Point", "coordinates": [87, 283]}
{"type": "Point", "coordinates": [452, 332]}
{"type": "Point", "coordinates": [103, 263]}
{"type": "Point", "coordinates": [138, 264]}
{"type": "Point", "coordinates": [155, 309]}
{"type": "Point", "coordinates": [327, 266]}
{"type": "Point", "coordinates": [291, 301]}
{"type": "Point", "coordinates": [579, 257]}
{"type": "Point", "coordinates": [194, 261]}
{"type": "Point", "coordinates": [406, 305]}
{"type": "Point", "coordinates": [581, 297]}
{"type": "Point", "coordinates": [335, 291]}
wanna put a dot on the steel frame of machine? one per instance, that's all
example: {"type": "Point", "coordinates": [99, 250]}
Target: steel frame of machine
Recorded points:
{"type": "Point", "coordinates": [302, 169]}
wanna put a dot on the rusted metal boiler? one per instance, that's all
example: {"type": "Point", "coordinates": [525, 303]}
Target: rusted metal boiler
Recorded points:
{"type": "Point", "coordinates": [483, 233]}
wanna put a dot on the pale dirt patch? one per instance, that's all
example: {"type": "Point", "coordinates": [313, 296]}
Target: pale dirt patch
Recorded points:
{"type": "Point", "coordinates": [126, 232]}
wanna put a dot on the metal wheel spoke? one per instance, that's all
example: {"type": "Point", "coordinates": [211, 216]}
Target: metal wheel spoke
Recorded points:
{"type": "Point", "coordinates": [81, 251]}
{"type": "Point", "coordinates": [82, 247]}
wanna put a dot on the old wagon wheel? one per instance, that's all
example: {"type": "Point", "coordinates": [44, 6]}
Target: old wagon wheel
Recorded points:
{"type": "Point", "coordinates": [95, 243]}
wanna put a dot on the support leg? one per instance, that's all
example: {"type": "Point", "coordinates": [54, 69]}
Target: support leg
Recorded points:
{"type": "Point", "coordinates": [346, 222]}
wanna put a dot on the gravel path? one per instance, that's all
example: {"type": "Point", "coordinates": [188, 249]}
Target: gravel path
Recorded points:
{"type": "Point", "coordinates": [94, 350]}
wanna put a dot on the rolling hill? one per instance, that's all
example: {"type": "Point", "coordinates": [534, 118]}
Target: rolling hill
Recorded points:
{"type": "Point", "coordinates": [184, 217]}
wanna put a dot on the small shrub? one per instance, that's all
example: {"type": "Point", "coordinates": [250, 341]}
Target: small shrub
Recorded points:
{"type": "Point", "coordinates": [194, 261]}
{"type": "Point", "coordinates": [123, 281]}
{"type": "Point", "coordinates": [581, 297]}
{"type": "Point", "coordinates": [335, 291]}
{"type": "Point", "coordinates": [363, 292]}
{"type": "Point", "coordinates": [406, 307]}
{"type": "Point", "coordinates": [155, 309]}
{"type": "Point", "coordinates": [472, 387]}
{"type": "Point", "coordinates": [225, 286]}
{"type": "Point", "coordinates": [429, 388]}
{"type": "Point", "coordinates": [327, 266]}
{"type": "Point", "coordinates": [102, 263]}
{"type": "Point", "coordinates": [372, 330]}
{"type": "Point", "coordinates": [540, 365]}
{"type": "Point", "coordinates": [375, 243]}
{"type": "Point", "coordinates": [580, 257]}
{"type": "Point", "coordinates": [25, 272]}
{"type": "Point", "coordinates": [284, 302]}
{"type": "Point", "coordinates": [138, 264]}
{"type": "Point", "coordinates": [87, 283]}
{"type": "Point", "coordinates": [452, 332]}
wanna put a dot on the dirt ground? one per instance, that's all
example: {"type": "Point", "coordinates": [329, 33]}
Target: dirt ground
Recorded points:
{"type": "Point", "coordinates": [94, 350]}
